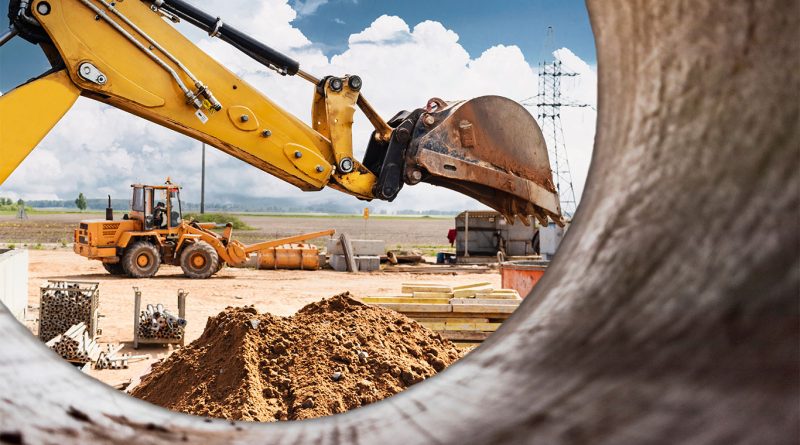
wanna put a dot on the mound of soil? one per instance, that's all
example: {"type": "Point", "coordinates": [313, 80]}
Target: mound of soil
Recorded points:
{"type": "Point", "coordinates": [330, 357]}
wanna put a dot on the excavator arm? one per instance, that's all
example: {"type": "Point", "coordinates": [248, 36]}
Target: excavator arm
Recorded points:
{"type": "Point", "coordinates": [127, 54]}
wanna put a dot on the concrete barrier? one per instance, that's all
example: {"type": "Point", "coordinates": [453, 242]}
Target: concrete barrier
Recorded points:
{"type": "Point", "coordinates": [361, 247]}
{"type": "Point", "coordinates": [14, 281]}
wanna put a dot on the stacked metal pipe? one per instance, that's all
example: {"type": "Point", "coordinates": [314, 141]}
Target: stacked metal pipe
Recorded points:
{"type": "Point", "coordinates": [157, 322]}
{"type": "Point", "coordinates": [112, 359]}
{"type": "Point", "coordinates": [75, 345]}
{"type": "Point", "coordinates": [63, 305]}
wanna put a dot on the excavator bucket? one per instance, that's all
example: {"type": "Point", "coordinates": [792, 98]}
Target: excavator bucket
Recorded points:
{"type": "Point", "coordinates": [489, 148]}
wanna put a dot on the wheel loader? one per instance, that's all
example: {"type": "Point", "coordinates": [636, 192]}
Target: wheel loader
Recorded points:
{"type": "Point", "coordinates": [128, 54]}
{"type": "Point", "coordinates": [154, 233]}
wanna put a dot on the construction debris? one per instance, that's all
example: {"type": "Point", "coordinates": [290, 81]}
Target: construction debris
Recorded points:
{"type": "Point", "coordinates": [112, 359]}
{"type": "Point", "coordinates": [465, 314]}
{"type": "Point", "coordinates": [332, 356]}
{"type": "Point", "coordinates": [75, 345]}
{"type": "Point", "coordinates": [64, 304]}
{"type": "Point", "coordinates": [354, 255]}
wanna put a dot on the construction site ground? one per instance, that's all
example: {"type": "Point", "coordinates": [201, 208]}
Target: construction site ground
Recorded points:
{"type": "Point", "coordinates": [280, 292]}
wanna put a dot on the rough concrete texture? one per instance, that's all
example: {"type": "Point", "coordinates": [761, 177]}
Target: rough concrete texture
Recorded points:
{"type": "Point", "coordinates": [670, 314]}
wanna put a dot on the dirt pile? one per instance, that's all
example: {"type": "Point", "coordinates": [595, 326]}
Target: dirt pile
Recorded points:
{"type": "Point", "coordinates": [330, 357]}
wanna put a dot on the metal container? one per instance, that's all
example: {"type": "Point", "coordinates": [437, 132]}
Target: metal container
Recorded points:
{"type": "Point", "coordinates": [484, 233]}
{"type": "Point", "coordinates": [290, 256]}
{"type": "Point", "coordinates": [522, 276]}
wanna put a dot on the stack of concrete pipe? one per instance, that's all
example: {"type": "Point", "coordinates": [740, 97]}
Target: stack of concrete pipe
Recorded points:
{"type": "Point", "coordinates": [158, 322]}
{"type": "Point", "coordinates": [75, 344]}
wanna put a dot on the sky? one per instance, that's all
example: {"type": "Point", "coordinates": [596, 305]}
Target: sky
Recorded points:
{"type": "Point", "coordinates": [449, 49]}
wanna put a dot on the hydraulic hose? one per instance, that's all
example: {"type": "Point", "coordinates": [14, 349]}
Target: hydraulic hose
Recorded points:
{"type": "Point", "coordinates": [216, 28]}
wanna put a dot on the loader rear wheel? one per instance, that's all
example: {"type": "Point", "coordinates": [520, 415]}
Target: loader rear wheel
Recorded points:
{"type": "Point", "coordinates": [141, 260]}
{"type": "Point", "coordinates": [199, 260]}
{"type": "Point", "coordinates": [114, 268]}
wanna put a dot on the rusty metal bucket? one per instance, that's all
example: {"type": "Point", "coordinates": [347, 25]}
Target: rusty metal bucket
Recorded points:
{"type": "Point", "coordinates": [489, 148]}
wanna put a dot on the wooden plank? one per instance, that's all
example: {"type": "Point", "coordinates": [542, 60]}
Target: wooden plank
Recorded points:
{"type": "Point", "coordinates": [433, 326]}
{"type": "Point", "coordinates": [424, 287]}
{"type": "Point", "coordinates": [469, 292]}
{"type": "Point", "coordinates": [514, 295]}
{"type": "Point", "coordinates": [465, 335]}
{"type": "Point", "coordinates": [418, 308]}
{"type": "Point", "coordinates": [451, 320]}
{"type": "Point", "coordinates": [465, 345]}
{"type": "Point", "coordinates": [418, 294]}
{"type": "Point", "coordinates": [451, 326]}
{"type": "Point", "coordinates": [484, 315]}
{"type": "Point", "coordinates": [488, 327]}
{"type": "Point", "coordinates": [473, 285]}
{"type": "Point", "coordinates": [484, 308]}
{"type": "Point", "coordinates": [483, 327]}
{"type": "Point", "coordinates": [381, 300]}
{"type": "Point", "coordinates": [482, 301]}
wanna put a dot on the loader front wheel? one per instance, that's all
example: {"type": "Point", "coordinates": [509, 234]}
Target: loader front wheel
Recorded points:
{"type": "Point", "coordinates": [141, 260]}
{"type": "Point", "coordinates": [199, 260]}
{"type": "Point", "coordinates": [114, 268]}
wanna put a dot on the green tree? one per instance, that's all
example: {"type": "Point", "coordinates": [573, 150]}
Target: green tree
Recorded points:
{"type": "Point", "coordinates": [80, 203]}
{"type": "Point", "coordinates": [20, 202]}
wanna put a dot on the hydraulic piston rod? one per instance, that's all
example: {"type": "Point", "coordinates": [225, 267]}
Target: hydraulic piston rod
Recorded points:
{"type": "Point", "coordinates": [8, 35]}
{"type": "Point", "coordinates": [216, 28]}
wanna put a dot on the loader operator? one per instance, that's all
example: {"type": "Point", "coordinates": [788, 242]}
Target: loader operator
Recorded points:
{"type": "Point", "coordinates": [158, 216]}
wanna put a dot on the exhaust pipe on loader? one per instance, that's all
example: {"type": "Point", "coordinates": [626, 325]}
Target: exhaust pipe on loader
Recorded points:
{"type": "Point", "coordinates": [109, 210]}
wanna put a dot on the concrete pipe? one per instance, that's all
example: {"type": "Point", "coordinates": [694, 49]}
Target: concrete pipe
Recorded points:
{"type": "Point", "coordinates": [671, 314]}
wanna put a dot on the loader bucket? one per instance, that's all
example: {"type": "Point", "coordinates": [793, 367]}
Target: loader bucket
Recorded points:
{"type": "Point", "coordinates": [489, 148]}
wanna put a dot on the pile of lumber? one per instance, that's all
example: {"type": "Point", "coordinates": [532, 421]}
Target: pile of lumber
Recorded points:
{"type": "Point", "coordinates": [465, 314]}
{"type": "Point", "coordinates": [75, 345]}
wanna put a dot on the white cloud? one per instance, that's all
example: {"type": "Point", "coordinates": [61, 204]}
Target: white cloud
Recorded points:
{"type": "Point", "coordinates": [402, 68]}
{"type": "Point", "coordinates": [308, 7]}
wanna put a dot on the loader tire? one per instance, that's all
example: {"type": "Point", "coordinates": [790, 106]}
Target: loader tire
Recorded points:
{"type": "Point", "coordinates": [199, 260]}
{"type": "Point", "coordinates": [114, 268]}
{"type": "Point", "coordinates": [141, 260]}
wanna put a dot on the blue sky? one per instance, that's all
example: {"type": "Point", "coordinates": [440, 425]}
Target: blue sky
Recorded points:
{"type": "Point", "coordinates": [480, 25]}
{"type": "Point", "coordinates": [407, 52]}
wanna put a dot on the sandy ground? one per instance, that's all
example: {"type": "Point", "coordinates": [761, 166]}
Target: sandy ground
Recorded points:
{"type": "Point", "coordinates": [277, 292]}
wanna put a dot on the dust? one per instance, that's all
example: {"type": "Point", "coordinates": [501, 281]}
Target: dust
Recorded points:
{"type": "Point", "coordinates": [330, 357]}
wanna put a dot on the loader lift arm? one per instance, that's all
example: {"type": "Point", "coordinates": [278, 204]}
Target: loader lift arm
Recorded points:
{"type": "Point", "coordinates": [125, 53]}
{"type": "Point", "coordinates": [234, 252]}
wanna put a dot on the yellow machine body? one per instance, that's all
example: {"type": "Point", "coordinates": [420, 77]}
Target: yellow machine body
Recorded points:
{"type": "Point", "coordinates": [142, 240]}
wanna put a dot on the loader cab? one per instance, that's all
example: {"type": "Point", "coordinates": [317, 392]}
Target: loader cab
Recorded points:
{"type": "Point", "coordinates": [156, 207]}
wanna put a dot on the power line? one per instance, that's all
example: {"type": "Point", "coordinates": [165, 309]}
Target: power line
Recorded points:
{"type": "Point", "coordinates": [548, 103]}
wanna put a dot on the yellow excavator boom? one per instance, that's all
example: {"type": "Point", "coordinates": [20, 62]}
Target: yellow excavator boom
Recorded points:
{"type": "Point", "coordinates": [129, 55]}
